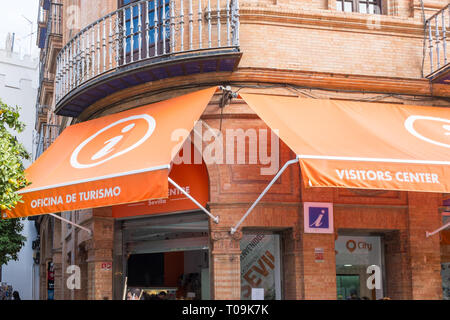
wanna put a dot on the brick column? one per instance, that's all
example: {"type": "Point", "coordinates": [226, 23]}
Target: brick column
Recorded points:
{"type": "Point", "coordinates": [57, 259]}
{"type": "Point", "coordinates": [58, 275]}
{"type": "Point", "coordinates": [423, 215]}
{"type": "Point", "coordinates": [319, 278]}
{"type": "Point", "coordinates": [397, 265]}
{"type": "Point", "coordinates": [293, 265]}
{"type": "Point", "coordinates": [43, 293]}
{"type": "Point", "coordinates": [99, 251]}
{"type": "Point", "coordinates": [225, 265]}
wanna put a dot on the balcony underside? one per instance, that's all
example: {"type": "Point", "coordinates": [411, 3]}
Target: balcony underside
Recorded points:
{"type": "Point", "coordinates": [441, 75]}
{"type": "Point", "coordinates": [219, 60]}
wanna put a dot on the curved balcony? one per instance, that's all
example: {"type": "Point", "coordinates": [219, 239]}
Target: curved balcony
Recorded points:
{"type": "Point", "coordinates": [142, 42]}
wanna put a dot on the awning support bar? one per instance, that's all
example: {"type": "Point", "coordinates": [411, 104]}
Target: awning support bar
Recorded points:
{"type": "Point", "coordinates": [215, 219]}
{"type": "Point", "coordinates": [287, 164]}
{"type": "Point", "coordinates": [445, 226]}
{"type": "Point", "coordinates": [72, 223]}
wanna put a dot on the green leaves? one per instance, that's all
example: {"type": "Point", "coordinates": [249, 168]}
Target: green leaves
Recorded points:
{"type": "Point", "coordinates": [11, 241]}
{"type": "Point", "coordinates": [12, 179]}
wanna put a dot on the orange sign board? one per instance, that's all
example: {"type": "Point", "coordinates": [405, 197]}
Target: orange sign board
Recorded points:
{"type": "Point", "coordinates": [193, 178]}
{"type": "Point", "coordinates": [120, 158]}
{"type": "Point", "coordinates": [362, 145]}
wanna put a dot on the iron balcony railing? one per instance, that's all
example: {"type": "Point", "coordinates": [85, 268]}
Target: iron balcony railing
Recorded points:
{"type": "Point", "coordinates": [45, 137]}
{"type": "Point", "coordinates": [41, 111]}
{"type": "Point", "coordinates": [54, 21]}
{"type": "Point", "coordinates": [54, 28]}
{"type": "Point", "coordinates": [436, 29]}
{"type": "Point", "coordinates": [145, 30]}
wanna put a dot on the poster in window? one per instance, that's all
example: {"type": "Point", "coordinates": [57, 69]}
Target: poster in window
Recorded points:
{"type": "Point", "coordinates": [260, 265]}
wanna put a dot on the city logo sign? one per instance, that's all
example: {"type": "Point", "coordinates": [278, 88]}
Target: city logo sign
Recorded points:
{"type": "Point", "coordinates": [318, 217]}
{"type": "Point", "coordinates": [352, 245]}
{"type": "Point", "coordinates": [113, 141]}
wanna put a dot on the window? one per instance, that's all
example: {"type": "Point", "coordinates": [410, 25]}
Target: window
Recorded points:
{"type": "Point", "coordinates": [362, 6]}
{"type": "Point", "coordinates": [132, 22]}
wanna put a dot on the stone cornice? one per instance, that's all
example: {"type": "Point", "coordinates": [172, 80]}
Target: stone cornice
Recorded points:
{"type": "Point", "coordinates": [331, 19]}
{"type": "Point", "coordinates": [361, 83]}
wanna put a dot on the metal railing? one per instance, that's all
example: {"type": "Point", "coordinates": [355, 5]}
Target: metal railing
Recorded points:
{"type": "Point", "coordinates": [54, 28]}
{"type": "Point", "coordinates": [436, 29]}
{"type": "Point", "coordinates": [41, 110]}
{"type": "Point", "coordinates": [54, 21]}
{"type": "Point", "coordinates": [47, 134]}
{"type": "Point", "coordinates": [44, 73]}
{"type": "Point", "coordinates": [145, 30]}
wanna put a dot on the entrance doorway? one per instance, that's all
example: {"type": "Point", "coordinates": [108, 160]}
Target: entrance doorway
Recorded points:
{"type": "Point", "coordinates": [166, 257]}
{"type": "Point", "coordinates": [357, 256]}
{"type": "Point", "coordinates": [170, 275]}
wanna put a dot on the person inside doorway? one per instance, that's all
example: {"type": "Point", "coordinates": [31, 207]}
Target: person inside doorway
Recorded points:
{"type": "Point", "coordinates": [16, 295]}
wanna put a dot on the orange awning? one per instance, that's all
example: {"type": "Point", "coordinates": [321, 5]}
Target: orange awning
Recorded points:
{"type": "Point", "coordinates": [120, 158]}
{"type": "Point", "coordinates": [361, 144]}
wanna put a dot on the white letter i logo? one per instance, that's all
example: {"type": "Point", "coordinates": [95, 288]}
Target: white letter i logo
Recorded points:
{"type": "Point", "coordinates": [318, 221]}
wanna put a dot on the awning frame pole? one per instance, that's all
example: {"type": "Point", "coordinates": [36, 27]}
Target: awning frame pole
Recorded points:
{"type": "Point", "coordinates": [215, 219]}
{"type": "Point", "coordinates": [445, 226]}
{"type": "Point", "coordinates": [72, 223]}
{"type": "Point", "coordinates": [287, 164]}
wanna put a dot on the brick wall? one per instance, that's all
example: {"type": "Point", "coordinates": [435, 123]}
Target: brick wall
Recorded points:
{"type": "Point", "coordinates": [423, 215]}
{"type": "Point", "coordinates": [397, 265]}
{"type": "Point", "coordinates": [100, 251]}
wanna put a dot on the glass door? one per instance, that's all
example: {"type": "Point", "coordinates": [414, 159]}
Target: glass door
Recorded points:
{"type": "Point", "coordinates": [347, 286]}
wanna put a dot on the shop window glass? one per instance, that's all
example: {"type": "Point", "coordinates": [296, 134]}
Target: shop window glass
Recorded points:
{"type": "Point", "coordinates": [354, 255]}
{"type": "Point", "coordinates": [260, 267]}
{"type": "Point", "coordinates": [445, 273]}
{"type": "Point", "coordinates": [168, 276]}
{"type": "Point", "coordinates": [347, 285]}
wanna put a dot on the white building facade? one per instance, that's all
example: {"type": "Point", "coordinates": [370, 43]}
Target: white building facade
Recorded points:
{"type": "Point", "coordinates": [18, 87]}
